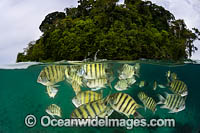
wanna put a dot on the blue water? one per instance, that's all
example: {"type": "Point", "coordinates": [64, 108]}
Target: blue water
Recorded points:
{"type": "Point", "coordinates": [20, 95]}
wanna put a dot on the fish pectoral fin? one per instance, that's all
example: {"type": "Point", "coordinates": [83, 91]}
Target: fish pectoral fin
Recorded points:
{"type": "Point", "coordinates": [110, 86]}
{"type": "Point", "coordinates": [163, 107]}
{"type": "Point", "coordinates": [159, 102]}
{"type": "Point", "coordinates": [171, 111]}
{"type": "Point", "coordinates": [55, 85]}
{"type": "Point", "coordinates": [95, 89]}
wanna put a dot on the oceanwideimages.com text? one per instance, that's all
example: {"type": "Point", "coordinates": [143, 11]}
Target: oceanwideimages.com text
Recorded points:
{"type": "Point", "coordinates": [47, 121]}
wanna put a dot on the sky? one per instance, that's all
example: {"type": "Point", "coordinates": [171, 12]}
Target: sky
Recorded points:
{"type": "Point", "coordinates": [20, 20]}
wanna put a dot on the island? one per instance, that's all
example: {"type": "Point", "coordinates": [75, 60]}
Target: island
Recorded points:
{"type": "Point", "coordinates": [129, 31]}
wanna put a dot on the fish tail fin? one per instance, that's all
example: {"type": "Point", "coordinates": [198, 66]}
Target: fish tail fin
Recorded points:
{"type": "Point", "coordinates": [106, 100]}
{"type": "Point", "coordinates": [110, 79]}
{"type": "Point", "coordinates": [161, 99]}
{"type": "Point", "coordinates": [101, 92]}
{"type": "Point", "coordinates": [110, 86]}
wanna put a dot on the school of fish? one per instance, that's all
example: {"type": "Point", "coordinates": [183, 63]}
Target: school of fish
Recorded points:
{"type": "Point", "coordinates": [89, 80]}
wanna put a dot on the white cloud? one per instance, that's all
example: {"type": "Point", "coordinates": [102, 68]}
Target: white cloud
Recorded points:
{"type": "Point", "coordinates": [20, 22]}
{"type": "Point", "coordinates": [187, 10]}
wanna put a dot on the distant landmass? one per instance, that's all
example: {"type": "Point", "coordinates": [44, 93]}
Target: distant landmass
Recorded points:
{"type": "Point", "coordinates": [129, 31]}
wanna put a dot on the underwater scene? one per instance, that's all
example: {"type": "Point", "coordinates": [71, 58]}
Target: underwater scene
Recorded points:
{"type": "Point", "coordinates": [42, 97]}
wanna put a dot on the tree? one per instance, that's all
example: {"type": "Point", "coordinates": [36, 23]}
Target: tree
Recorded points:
{"type": "Point", "coordinates": [136, 29]}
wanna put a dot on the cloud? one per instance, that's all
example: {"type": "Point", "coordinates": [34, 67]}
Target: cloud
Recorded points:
{"type": "Point", "coordinates": [20, 22]}
{"type": "Point", "coordinates": [187, 10]}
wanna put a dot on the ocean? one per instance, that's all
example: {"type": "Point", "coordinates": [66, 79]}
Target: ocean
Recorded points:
{"type": "Point", "coordinates": [21, 95]}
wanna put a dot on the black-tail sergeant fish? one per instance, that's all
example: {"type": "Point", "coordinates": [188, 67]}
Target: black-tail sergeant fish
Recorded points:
{"type": "Point", "coordinates": [147, 101]}
{"type": "Point", "coordinates": [52, 91]}
{"type": "Point", "coordinates": [51, 75]}
{"type": "Point", "coordinates": [143, 84]}
{"type": "Point", "coordinates": [54, 110]}
{"type": "Point", "coordinates": [124, 104]}
{"type": "Point", "coordinates": [168, 74]}
{"type": "Point", "coordinates": [121, 85]}
{"type": "Point", "coordinates": [91, 110]}
{"type": "Point", "coordinates": [94, 71]}
{"type": "Point", "coordinates": [127, 71]}
{"type": "Point", "coordinates": [173, 102]}
{"type": "Point", "coordinates": [155, 85]}
{"type": "Point", "coordinates": [178, 87]}
{"type": "Point", "coordinates": [96, 84]}
{"type": "Point", "coordinates": [85, 97]}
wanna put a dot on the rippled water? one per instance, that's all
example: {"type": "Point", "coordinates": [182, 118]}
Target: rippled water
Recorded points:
{"type": "Point", "coordinates": [20, 95]}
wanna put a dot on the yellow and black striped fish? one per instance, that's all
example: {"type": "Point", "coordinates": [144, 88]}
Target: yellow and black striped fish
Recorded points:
{"type": "Point", "coordinates": [51, 75]}
{"type": "Point", "coordinates": [127, 72]}
{"type": "Point", "coordinates": [148, 102]}
{"type": "Point", "coordinates": [93, 109]}
{"type": "Point", "coordinates": [178, 87]}
{"type": "Point", "coordinates": [173, 102]}
{"type": "Point", "coordinates": [97, 83]}
{"type": "Point", "coordinates": [123, 103]}
{"type": "Point", "coordinates": [142, 96]}
{"type": "Point", "coordinates": [84, 97]}
{"type": "Point", "coordinates": [54, 110]}
{"type": "Point", "coordinates": [94, 71]}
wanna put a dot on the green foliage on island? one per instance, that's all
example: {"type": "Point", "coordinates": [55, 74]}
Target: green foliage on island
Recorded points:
{"type": "Point", "coordinates": [133, 30]}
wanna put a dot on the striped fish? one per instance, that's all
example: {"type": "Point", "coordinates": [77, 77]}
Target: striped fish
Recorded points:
{"type": "Point", "coordinates": [173, 102]}
{"type": "Point", "coordinates": [148, 102]}
{"type": "Point", "coordinates": [93, 71]}
{"type": "Point", "coordinates": [142, 96]}
{"type": "Point", "coordinates": [51, 75]}
{"type": "Point", "coordinates": [96, 84]}
{"type": "Point", "coordinates": [143, 84]}
{"type": "Point", "coordinates": [127, 72]}
{"type": "Point", "coordinates": [178, 87]}
{"type": "Point", "coordinates": [137, 69]}
{"type": "Point", "coordinates": [76, 87]}
{"type": "Point", "coordinates": [121, 85]}
{"type": "Point", "coordinates": [84, 97]}
{"type": "Point", "coordinates": [54, 110]}
{"type": "Point", "coordinates": [168, 74]}
{"type": "Point", "coordinates": [93, 109]}
{"type": "Point", "coordinates": [52, 91]}
{"type": "Point", "coordinates": [155, 85]}
{"type": "Point", "coordinates": [123, 103]}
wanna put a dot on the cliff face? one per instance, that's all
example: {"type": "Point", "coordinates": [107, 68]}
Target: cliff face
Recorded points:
{"type": "Point", "coordinates": [135, 29]}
